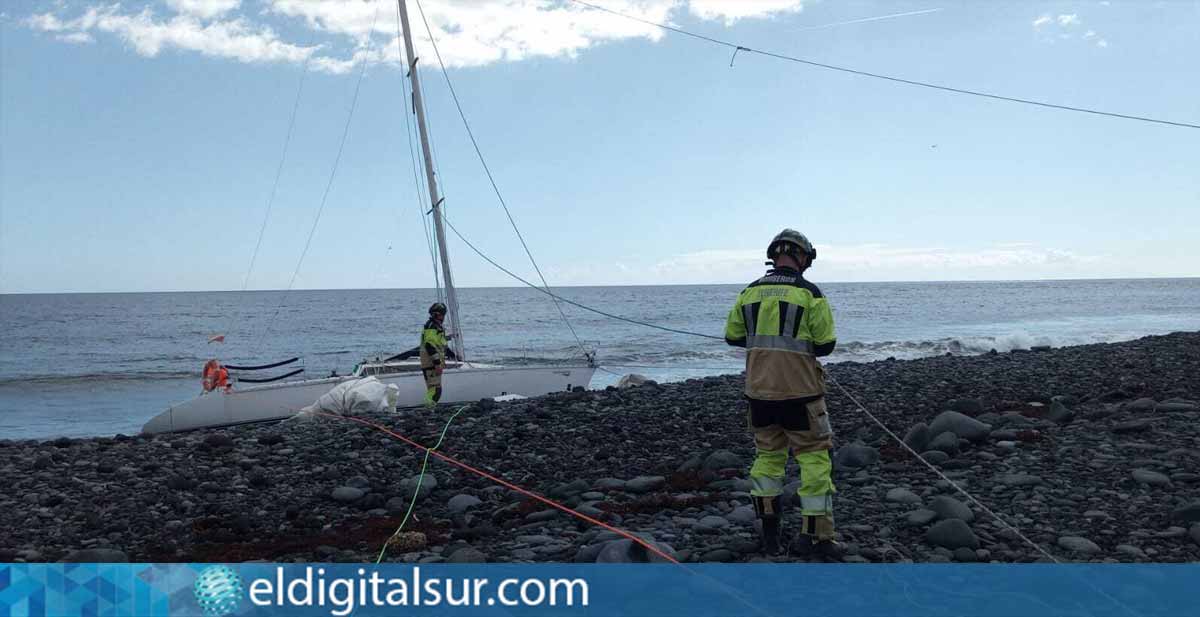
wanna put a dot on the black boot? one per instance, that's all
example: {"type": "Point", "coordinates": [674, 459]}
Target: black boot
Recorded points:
{"type": "Point", "coordinates": [809, 547]}
{"type": "Point", "coordinates": [767, 509]}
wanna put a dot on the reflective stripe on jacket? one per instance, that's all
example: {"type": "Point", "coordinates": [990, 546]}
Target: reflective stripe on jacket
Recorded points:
{"type": "Point", "coordinates": [433, 344]}
{"type": "Point", "coordinates": [785, 323]}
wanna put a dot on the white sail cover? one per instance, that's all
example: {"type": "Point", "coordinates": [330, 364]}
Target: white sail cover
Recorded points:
{"type": "Point", "coordinates": [356, 396]}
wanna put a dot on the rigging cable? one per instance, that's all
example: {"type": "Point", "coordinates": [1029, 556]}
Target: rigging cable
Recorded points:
{"type": "Point", "coordinates": [568, 301]}
{"type": "Point", "coordinates": [492, 180]}
{"type": "Point", "coordinates": [911, 82]}
{"type": "Point", "coordinates": [332, 174]}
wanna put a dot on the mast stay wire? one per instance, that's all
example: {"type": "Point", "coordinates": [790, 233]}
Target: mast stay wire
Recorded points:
{"type": "Point", "coordinates": [495, 188]}
{"type": "Point", "coordinates": [418, 182]}
{"type": "Point", "coordinates": [911, 82]}
{"type": "Point", "coordinates": [329, 184]}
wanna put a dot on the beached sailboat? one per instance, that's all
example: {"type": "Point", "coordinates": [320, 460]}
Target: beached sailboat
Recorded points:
{"type": "Point", "coordinates": [462, 380]}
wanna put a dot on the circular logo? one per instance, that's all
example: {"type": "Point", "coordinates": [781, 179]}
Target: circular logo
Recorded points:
{"type": "Point", "coordinates": [218, 590]}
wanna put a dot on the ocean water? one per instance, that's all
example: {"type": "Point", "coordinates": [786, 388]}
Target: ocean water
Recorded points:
{"type": "Point", "coordinates": [100, 364]}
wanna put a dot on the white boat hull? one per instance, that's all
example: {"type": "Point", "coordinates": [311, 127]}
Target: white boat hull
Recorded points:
{"type": "Point", "coordinates": [282, 400]}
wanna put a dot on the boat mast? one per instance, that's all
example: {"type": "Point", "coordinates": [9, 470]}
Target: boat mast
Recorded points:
{"type": "Point", "coordinates": [419, 106]}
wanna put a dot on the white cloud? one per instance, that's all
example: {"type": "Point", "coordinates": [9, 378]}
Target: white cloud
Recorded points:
{"type": "Point", "coordinates": [1068, 20]}
{"type": "Point", "coordinates": [731, 11]}
{"type": "Point", "coordinates": [78, 38]}
{"type": "Point", "coordinates": [1063, 27]}
{"type": "Point", "coordinates": [469, 32]}
{"type": "Point", "coordinates": [149, 35]}
{"type": "Point", "coordinates": [204, 9]}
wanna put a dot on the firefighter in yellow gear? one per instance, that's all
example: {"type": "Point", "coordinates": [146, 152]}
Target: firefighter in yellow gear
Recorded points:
{"type": "Point", "coordinates": [785, 324]}
{"type": "Point", "coordinates": [433, 353]}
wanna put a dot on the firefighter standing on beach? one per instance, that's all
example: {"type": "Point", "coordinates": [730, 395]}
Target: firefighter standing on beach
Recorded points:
{"type": "Point", "coordinates": [433, 353]}
{"type": "Point", "coordinates": [785, 324]}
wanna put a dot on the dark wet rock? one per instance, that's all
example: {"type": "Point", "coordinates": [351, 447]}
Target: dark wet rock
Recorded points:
{"type": "Point", "coordinates": [180, 483]}
{"type": "Point", "coordinates": [627, 551]}
{"type": "Point", "coordinates": [1141, 405]}
{"type": "Point", "coordinates": [949, 507]}
{"type": "Point", "coordinates": [718, 555]}
{"type": "Point", "coordinates": [902, 495]}
{"type": "Point", "coordinates": [271, 439]}
{"type": "Point", "coordinates": [1059, 413]}
{"type": "Point", "coordinates": [967, 406]}
{"type": "Point", "coordinates": [945, 442]}
{"type": "Point", "coordinates": [1132, 426]}
{"type": "Point", "coordinates": [217, 441]}
{"type": "Point", "coordinates": [574, 487]}
{"type": "Point", "coordinates": [1194, 534]}
{"type": "Point", "coordinates": [742, 515]}
{"type": "Point", "coordinates": [964, 426]}
{"type": "Point", "coordinates": [609, 484]}
{"type": "Point", "coordinates": [1151, 478]}
{"type": "Point", "coordinates": [347, 494]}
{"type": "Point", "coordinates": [1189, 513]}
{"type": "Point", "coordinates": [723, 459]}
{"type": "Point", "coordinates": [918, 437]}
{"type": "Point", "coordinates": [645, 484]}
{"type": "Point", "coordinates": [1171, 406]}
{"type": "Point", "coordinates": [952, 534]}
{"type": "Point", "coordinates": [461, 503]}
{"type": "Point", "coordinates": [935, 457]}
{"type": "Point", "coordinates": [921, 517]}
{"type": "Point", "coordinates": [1019, 479]}
{"type": "Point", "coordinates": [96, 555]}
{"type": "Point", "coordinates": [427, 483]}
{"type": "Point", "coordinates": [1077, 544]}
{"type": "Point", "coordinates": [856, 455]}
{"type": "Point", "coordinates": [965, 555]}
{"type": "Point", "coordinates": [467, 555]}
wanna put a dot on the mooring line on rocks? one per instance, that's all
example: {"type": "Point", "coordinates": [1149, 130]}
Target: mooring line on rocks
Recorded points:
{"type": "Point", "coordinates": [417, 490]}
{"type": "Point", "coordinates": [731, 592]}
{"type": "Point", "coordinates": [937, 471]}
{"type": "Point", "coordinates": [509, 485]}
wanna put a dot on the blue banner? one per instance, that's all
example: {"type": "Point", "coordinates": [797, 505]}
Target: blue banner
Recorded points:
{"type": "Point", "coordinates": [340, 590]}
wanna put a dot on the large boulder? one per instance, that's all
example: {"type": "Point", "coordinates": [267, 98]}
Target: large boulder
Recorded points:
{"type": "Point", "coordinates": [723, 459]}
{"type": "Point", "coordinates": [918, 437]}
{"type": "Point", "coordinates": [1077, 544]}
{"type": "Point", "coordinates": [628, 551]}
{"type": "Point", "coordinates": [952, 533]}
{"type": "Point", "coordinates": [856, 455]}
{"type": "Point", "coordinates": [633, 380]}
{"type": "Point", "coordinates": [950, 508]}
{"type": "Point", "coordinates": [945, 442]}
{"type": "Point", "coordinates": [645, 484]}
{"type": "Point", "coordinates": [961, 425]}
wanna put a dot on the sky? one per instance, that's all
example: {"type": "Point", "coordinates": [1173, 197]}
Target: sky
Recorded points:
{"type": "Point", "coordinates": [140, 142]}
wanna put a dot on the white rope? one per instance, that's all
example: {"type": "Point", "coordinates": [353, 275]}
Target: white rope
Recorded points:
{"type": "Point", "coordinates": [937, 471]}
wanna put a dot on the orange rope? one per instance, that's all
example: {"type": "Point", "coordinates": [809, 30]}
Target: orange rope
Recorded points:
{"type": "Point", "coordinates": [650, 547]}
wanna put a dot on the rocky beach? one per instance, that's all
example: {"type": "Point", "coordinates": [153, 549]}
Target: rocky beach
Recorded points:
{"type": "Point", "coordinates": [1092, 452]}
